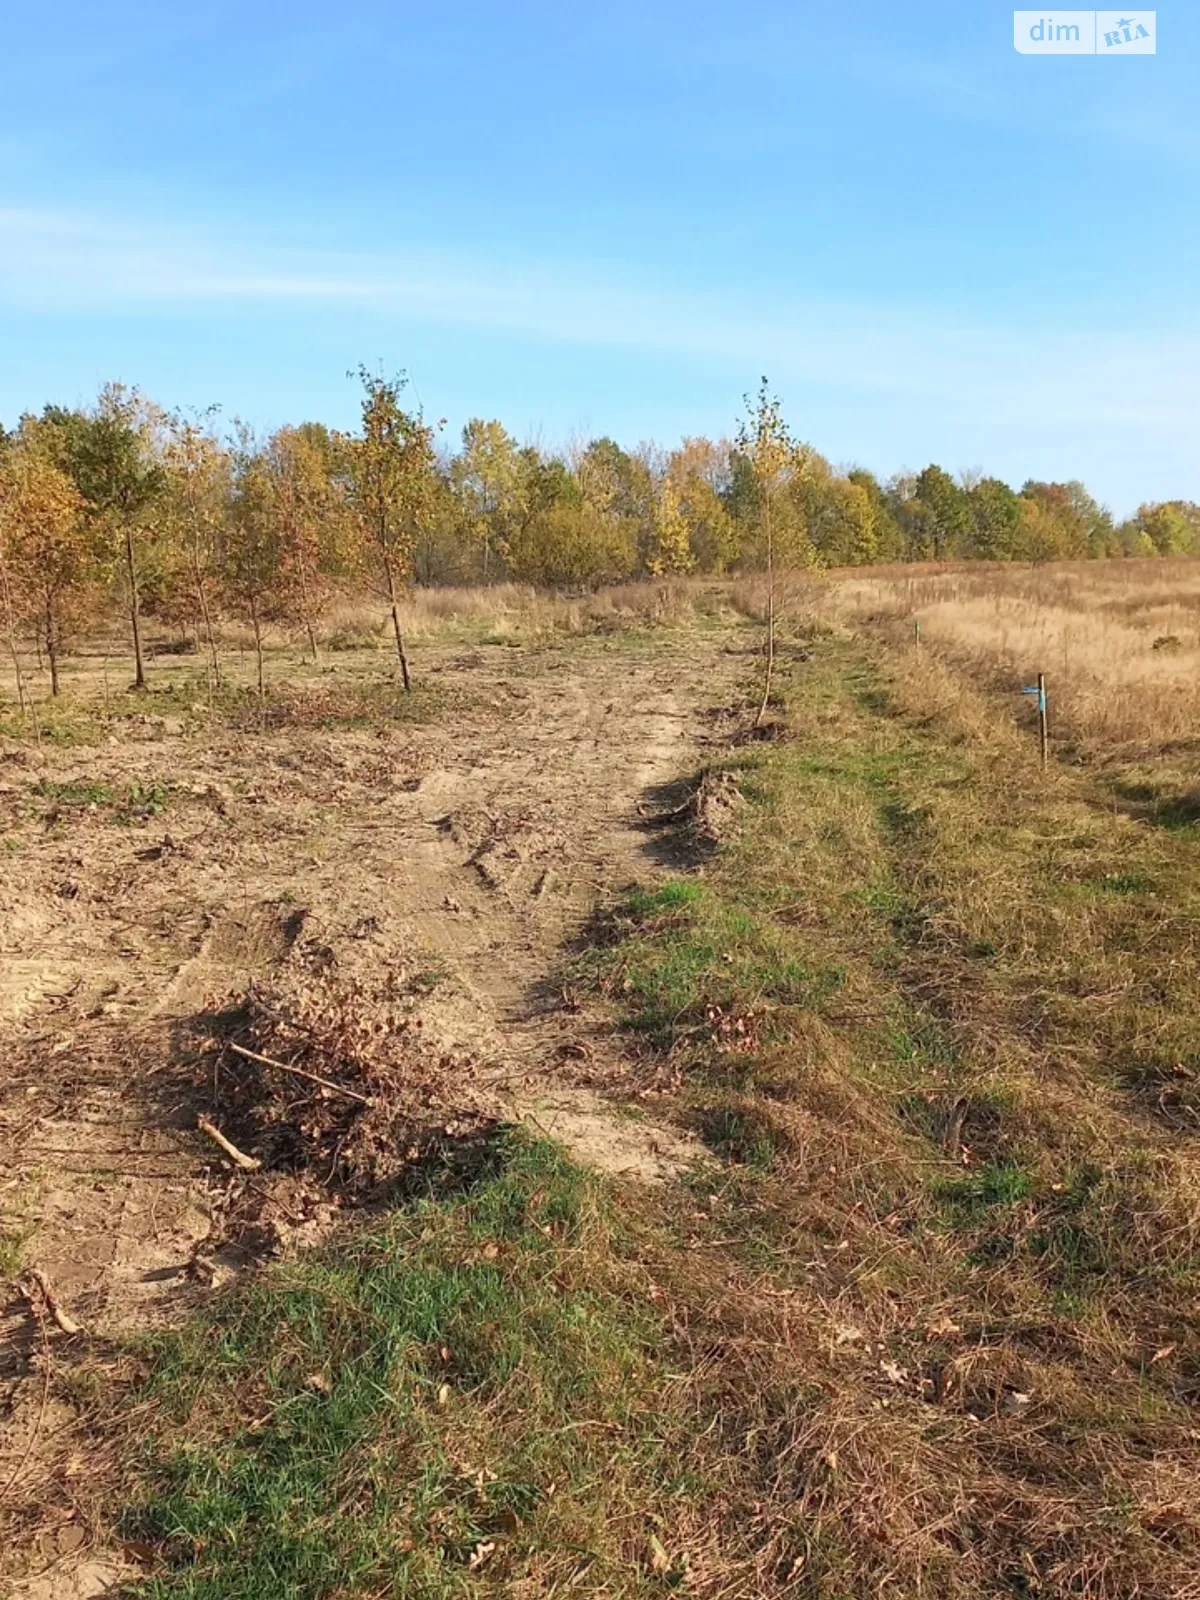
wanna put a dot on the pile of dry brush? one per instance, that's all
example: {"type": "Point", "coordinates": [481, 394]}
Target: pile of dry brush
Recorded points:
{"type": "Point", "coordinates": [336, 1080]}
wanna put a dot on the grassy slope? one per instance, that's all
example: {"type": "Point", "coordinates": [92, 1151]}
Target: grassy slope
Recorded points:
{"type": "Point", "coordinates": [928, 1329]}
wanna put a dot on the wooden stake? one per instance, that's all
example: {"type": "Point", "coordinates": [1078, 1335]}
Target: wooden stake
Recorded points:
{"type": "Point", "coordinates": [1043, 728]}
{"type": "Point", "coordinates": [1039, 689]}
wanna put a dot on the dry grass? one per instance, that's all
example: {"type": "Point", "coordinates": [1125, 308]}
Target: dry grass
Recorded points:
{"type": "Point", "coordinates": [937, 1011]}
{"type": "Point", "coordinates": [517, 613]}
{"type": "Point", "coordinates": [1119, 641]}
{"type": "Point", "coordinates": [354, 638]}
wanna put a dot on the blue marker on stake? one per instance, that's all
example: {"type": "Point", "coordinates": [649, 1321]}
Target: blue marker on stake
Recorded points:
{"type": "Point", "coordinates": [1039, 689]}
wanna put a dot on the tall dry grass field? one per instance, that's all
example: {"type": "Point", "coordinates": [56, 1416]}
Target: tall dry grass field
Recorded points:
{"type": "Point", "coordinates": [500, 613]}
{"type": "Point", "coordinates": [1119, 642]}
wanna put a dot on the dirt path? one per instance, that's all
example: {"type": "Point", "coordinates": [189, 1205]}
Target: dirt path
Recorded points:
{"type": "Point", "coordinates": [472, 847]}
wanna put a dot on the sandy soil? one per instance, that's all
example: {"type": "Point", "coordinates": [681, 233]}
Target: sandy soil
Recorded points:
{"type": "Point", "coordinates": [473, 848]}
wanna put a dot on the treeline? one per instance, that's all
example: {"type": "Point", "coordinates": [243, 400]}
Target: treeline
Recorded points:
{"type": "Point", "coordinates": [172, 515]}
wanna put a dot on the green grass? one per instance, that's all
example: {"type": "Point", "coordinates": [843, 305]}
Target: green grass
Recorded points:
{"type": "Point", "coordinates": [18, 1223]}
{"type": "Point", "coordinates": [74, 794]}
{"type": "Point", "coordinates": [996, 1183]}
{"type": "Point", "coordinates": [458, 1400]}
{"type": "Point", "coordinates": [13, 1248]}
{"type": "Point", "coordinates": [691, 963]}
{"type": "Point", "coordinates": [135, 802]}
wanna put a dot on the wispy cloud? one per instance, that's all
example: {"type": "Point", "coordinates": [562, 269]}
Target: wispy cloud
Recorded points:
{"type": "Point", "coordinates": [1000, 373]}
{"type": "Point", "coordinates": [1128, 116]}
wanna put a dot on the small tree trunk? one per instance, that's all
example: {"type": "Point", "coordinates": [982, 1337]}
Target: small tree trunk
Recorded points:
{"type": "Point", "coordinates": [258, 647]}
{"type": "Point", "coordinates": [139, 671]}
{"type": "Point", "coordinates": [306, 607]}
{"type": "Point", "coordinates": [51, 648]}
{"type": "Point", "coordinates": [202, 599]}
{"type": "Point", "coordinates": [770, 672]}
{"type": "Point", "coordinates": [393, 600]}
{"type": "Point", "coordinates": [11, 629]}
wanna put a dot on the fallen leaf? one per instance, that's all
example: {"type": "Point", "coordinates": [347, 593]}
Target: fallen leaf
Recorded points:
{"type": "Point", "coordinates": [443, 1394]}
{"type": "Point", "coordinates": [480, 1554]}
{"type": "Point", "coordinates": [893, 1372]}
{"type": "Point", "coordinates": [847, 1333]}
{"type": "Point", "coordinates": [1161, 1355]}
{"type": "Point", "coordinates": [942, 1328]}
{"type": "Point", "coordinates": [659, 1559]}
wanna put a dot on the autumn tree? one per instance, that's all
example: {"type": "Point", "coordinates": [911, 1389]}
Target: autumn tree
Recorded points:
{"type": "Point", "coordinates": [545, 482]}
{"type": "Point", "coordinates": [995, 513]}
{"type": "Point", "coordinates": [1166, 529]}
{"type": "Point", "coordinates": [571, 545]}
{"type": "Point", "coordinates": [253, 575]}
{"type": "Point", "coordinates": [844, 522]}
{"type": "Point", "coordinates": [8, 612]}
{"type": "Point", "coordinates": [44, 556]}
{"type": "Point", "coordinates": [617, 486]}
{"type": "Point", "coordinates": [699, 472]}
{"type": "Point", "coordinates": [486, 476]}
{"type": "Point", "coordinates": [1099, 529]}
{"type": "Point", "coordinates": [391, 471]}
{"type": "Point", "coordinates": [948, 513]}
{"type": "Point", "coordinates": [448, 544]}
{"type": "Point", "coordinates": [306, 506]}
{"type": "Point", "coordinates": [772, 464]}
{"type": "Point", "coordinates": [8, 606]}
{"type": "Point", "coordinates": [196, 494]}
{"type": "Point", "coordinates": [1053, 521]}
{"type": "Point", "coordinates": [887, 534]}
{"type": "Point", "coordinates": [671, 544]}
{"type": "Point", "coordinates": [109, 453]}
{"type": "Point", "coordinates": [612, 481]}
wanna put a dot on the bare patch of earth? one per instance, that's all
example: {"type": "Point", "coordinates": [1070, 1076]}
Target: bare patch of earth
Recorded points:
{"type": "Point", "coordinates": [462, 855]}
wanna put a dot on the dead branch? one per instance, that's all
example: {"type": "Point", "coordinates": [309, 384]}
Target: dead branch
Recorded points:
{"type": "Point", "coordinates": [65, 1322]}
{"type": "Point", "coordinates": [301, 1072]}
{"type": "Point", "coordinates": [238, 1157]}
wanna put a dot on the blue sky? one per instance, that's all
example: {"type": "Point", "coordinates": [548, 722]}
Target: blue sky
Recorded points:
{"type": "Point", "coordinates": [613, 219]}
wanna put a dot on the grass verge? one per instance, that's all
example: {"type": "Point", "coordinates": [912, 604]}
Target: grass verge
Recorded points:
{"type": "Point", "coordinates": [938, 1012]}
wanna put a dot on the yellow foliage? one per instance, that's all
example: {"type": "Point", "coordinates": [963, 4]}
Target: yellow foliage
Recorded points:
{"type": "Point", "coordinates": [671, 551]}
